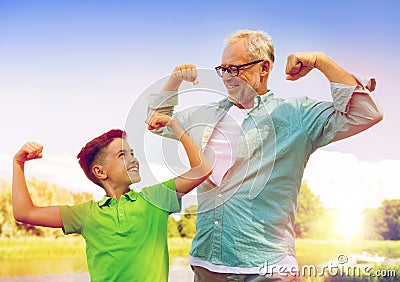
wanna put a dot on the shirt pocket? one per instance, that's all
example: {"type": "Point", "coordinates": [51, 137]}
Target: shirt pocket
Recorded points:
{"type": "Point", "coordinates": [255, 142]}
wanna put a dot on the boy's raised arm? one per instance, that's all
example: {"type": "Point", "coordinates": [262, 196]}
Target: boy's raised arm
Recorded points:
{"type": "Point", "coordinates": [200, 168]}
{"type": "Point", "coordinates": [24, 209]}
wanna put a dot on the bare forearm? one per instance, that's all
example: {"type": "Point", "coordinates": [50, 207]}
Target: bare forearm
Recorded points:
{"type": "Point", "coordinates": [332, 71]}
{"type": "Point", "coordinates": [200, 167]}
{"type": "Point", "coordinates": [192, 150]}
{"type": "Point", "coordinates": [185, 72]}
{"type": "Point", "coordinates": [21, 199]}
{"type": "Point", "coordinates": [172, 84]}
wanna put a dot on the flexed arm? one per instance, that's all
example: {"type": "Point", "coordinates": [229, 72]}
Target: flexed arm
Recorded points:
{"type": "Point", "coordinates": [300, 64]}
{"type": "Point", "coordinates": [354, 106]}
{"type": "Point", "coordinates": [200, 168]}
{"type": "Point", "coordinates": [24, 209]}
{"type": "Point", "coordinates": [165, 100]}
{"type": "Point", "coordinates": [186, 72]}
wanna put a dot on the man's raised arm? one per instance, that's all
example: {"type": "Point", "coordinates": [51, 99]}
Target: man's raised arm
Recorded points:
{"type": "Point", "coordinates": [351, 94]}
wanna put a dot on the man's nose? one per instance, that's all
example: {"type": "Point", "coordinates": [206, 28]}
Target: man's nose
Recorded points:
{"type": "Point", "coordinates": [226, 76]}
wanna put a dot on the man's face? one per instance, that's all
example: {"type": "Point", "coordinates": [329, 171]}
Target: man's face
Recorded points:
{"type": "Point", "coordinates": [245, 86]}
{"type": "Point", "coordinates": [120, 163]}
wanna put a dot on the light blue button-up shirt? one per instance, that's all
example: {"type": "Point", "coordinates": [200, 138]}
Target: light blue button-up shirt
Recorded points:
{"type": "Point", "coordinates": [248, 219]}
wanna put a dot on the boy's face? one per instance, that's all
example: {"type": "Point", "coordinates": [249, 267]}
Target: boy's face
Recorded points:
{"type": "Point", "coordinates": [120, 164]}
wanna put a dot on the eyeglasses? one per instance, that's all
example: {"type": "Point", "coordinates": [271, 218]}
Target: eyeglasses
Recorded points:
{"type": "Point", "coordinates": [234, 70]}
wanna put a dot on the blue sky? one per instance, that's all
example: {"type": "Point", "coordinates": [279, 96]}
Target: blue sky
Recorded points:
{"type": "Point", "coordinates": [70, 70]}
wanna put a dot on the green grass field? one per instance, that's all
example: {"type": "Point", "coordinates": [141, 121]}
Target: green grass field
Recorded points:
{"type": "Point", "coordinates": [33, 247]}
{"type": "Point", "coordinates": [319, 251]}
{"type": "Point", "coordinates": [308, 251]}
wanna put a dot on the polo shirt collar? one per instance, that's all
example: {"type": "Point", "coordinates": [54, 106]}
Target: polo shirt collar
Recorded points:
{"type": "Point", "coordinates": [131, 195]}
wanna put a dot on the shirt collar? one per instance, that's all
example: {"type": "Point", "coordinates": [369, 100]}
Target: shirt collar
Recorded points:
{"type": "Point", "coordinates": [258, 99]}
{"type": "Point", "coordinates": [225, 104]}
{"type": "Point", "coordinates": [265, 98]}
{"type": "Point", "coordinates": [131, 195]}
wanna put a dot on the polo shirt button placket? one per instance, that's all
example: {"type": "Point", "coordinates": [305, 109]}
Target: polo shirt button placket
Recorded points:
{"type": "Point", "coordinates": [120, 212]}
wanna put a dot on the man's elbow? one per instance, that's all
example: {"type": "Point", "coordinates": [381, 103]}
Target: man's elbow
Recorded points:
{"type": "Point", "coordinates": [376, 117]}
{"type": "Point", "coordinates": [379, 116]}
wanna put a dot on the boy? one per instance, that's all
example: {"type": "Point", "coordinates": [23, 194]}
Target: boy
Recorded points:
{"type": "Point", "coordinates": [126, 232]}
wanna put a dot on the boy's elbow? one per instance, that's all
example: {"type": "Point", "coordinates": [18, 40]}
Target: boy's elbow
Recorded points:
{"type": "Point", "coordinates": [209, 172]}
{"type": "Point", "coordinates": [204, 174]}
{"type": "Point", "coordinates": [20, 217]}
{"type": "Point", "coordinates": [207, 169]}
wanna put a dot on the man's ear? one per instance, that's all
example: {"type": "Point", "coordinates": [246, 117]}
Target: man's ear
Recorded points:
{"type": "Point", "coordinates": [265, 68]}
{"type": "Point", "coordinates": [99, 172]}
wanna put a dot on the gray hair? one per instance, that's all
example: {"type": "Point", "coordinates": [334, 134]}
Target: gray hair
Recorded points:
{"type": "Point", "coordinates": [259, 44]}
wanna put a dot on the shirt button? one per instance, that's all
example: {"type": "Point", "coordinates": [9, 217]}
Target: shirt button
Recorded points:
{"type": "Point", "coordinates": [219, 195]}
{"type": "Point", "coordinates": [216, 222]}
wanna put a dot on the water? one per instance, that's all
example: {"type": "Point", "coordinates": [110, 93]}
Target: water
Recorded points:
{"type": "Point", "coordinates": [38, 266]}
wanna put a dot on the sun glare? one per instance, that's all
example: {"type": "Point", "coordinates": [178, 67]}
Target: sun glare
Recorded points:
{"type": "Point", "coordinates": [348, 223]}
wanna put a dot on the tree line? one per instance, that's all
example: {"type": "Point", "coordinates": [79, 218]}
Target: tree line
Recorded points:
{"type": "Point", "coordinates": [42, 193]}
{"type": "Point", "coordinates": [313, 220]}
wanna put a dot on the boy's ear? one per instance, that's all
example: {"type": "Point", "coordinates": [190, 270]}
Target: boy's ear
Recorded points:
{"type": "Point", "coordinates": [99, 172]}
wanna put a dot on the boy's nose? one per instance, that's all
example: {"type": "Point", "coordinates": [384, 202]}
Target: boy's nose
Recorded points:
{"type": "Point", "coordinates": [133, 160]}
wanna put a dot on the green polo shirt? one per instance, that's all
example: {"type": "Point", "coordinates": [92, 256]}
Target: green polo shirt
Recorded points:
{"type": "Point", "coordinates": [126, 240]}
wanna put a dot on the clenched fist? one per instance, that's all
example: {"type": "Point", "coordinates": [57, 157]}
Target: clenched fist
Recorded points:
{"type": "Point", "coordinates": [186, 72]}
{"type": "Point", "coordinates": [157, 120]}
{"type": "Point", "coordinates": [30, 151]}
{"type": "Point", "coordinates": [300, 64]}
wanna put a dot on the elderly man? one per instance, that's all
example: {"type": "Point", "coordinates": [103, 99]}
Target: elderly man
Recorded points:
{"type": "Point", "coordinates": [260, 145]}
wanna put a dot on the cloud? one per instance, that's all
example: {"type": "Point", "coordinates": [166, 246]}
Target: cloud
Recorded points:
{"type": "Point", "coordinates": [341, 180]}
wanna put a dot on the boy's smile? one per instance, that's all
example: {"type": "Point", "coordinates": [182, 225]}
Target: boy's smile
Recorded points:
{"type": "Point", "coordinates": [121, 166]}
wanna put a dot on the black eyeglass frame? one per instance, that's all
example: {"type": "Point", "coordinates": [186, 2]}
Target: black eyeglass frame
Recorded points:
{"type": "Point", "coordinates": [220, 69]}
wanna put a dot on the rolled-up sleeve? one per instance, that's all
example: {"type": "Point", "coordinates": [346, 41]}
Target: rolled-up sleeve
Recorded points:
{"type": "Point", "coordinates": [164, 103]}
{"type": "Point", "coordinates": [356, 105]}
{"type": "Point", "coordinates": [162, 100]}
